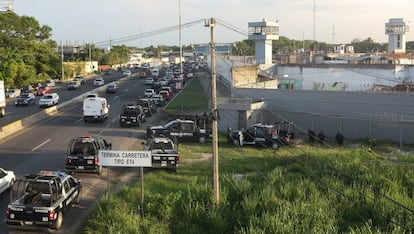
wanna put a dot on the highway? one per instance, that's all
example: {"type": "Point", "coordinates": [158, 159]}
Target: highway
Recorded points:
{"type": "Point", "coordinates": [14, 113]}
{"type": "Point", "coordinates": [43, 147]}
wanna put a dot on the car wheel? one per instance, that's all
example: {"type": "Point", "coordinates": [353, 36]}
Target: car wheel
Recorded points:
{"type": "Point", "coordinates": [202, 139]}
{"type": "Point", "coordinates": [78, 198]}
{"type": "Point", "coordinates": [11, 184]}
{"type": "Point", "coordinates": [275, 146]}
{"type": "Point", "coordinates": [58, 222]}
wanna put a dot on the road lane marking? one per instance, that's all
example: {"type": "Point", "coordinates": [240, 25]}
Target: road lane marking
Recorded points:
{"type": "Point", "coordinates": [44, 143]}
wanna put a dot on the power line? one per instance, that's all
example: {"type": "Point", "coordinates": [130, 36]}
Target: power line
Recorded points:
{"type": "Point", "coordinates": [148, 34]}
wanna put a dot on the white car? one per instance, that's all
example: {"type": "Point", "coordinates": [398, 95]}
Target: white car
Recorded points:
{"type": "Point", "coordinates": [149, 81]}
{"type": "Point", "coordinates": [164, 81]}
{"type": "Point", "coordinates": [7, 179]}
{"type": "Point", "coordinates": [127, 73]}
{"type": "Point", "coordinates": [149, 92]}
{"type": "Point", "coordinates": [50, 83]}
{"type": "Point", "coordinates": [99, 81]}
{"type": "Point", "coordinates": [13, 93]}
{"type": "Point", "coordinates": [169, 72]}
{"type": "Point", "coordinates": [49, 99]}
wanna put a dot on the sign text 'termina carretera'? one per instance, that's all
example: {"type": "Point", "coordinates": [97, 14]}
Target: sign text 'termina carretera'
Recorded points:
{"type": "Point", "coordinates": [116, 158]}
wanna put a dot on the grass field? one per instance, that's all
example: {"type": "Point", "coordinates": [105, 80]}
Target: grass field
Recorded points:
{"type": "Point", "coordinates": [361, 187]}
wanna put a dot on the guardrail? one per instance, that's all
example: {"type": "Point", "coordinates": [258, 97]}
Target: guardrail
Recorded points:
{"type": "Point", "coordinates": [18, 125]}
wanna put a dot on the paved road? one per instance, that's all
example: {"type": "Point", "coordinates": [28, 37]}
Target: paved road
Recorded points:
{"type": "Point", "coordinates": [43, 147]}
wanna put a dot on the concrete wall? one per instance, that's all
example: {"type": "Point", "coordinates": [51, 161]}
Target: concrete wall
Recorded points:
{"type": "Point", "coordinates": [384, 116]}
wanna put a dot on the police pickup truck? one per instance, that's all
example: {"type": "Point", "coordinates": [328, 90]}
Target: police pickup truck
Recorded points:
{"type": "Point", "coordinates": [266, 135]}
{"type": "Point", "coordinates": [164, 152]}
{"type": "Point", "coordinates": [82, 154]}
{"type": "Point", "coordinates": [42, 199]}
{"type": "Point", "coordinates": [197, 128]}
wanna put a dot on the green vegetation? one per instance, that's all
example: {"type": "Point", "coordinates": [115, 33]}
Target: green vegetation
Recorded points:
{"type": "Point", "coordinates": [298, 189]}
{"type": "Point", "coordinates": [192, 99]}
{"type": "Point", "coordinates": [27, 54]}
{"type": "Point", "coordinates": [365, 187]}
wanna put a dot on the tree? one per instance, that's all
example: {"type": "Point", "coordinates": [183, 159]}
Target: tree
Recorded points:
{"type": "Point", "coordinates": [367, 46]}
{"type": "Point", "coordinates": [26, 50]}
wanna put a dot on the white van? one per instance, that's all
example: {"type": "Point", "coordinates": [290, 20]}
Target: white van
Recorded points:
{"type": "Point", "coordinates": [95, 108]}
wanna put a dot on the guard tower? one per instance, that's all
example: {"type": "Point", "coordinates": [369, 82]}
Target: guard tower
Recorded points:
{"type": "Point", "coordinates": [263, 33]}
{"type": "Point", "coordinates": [396, 29]}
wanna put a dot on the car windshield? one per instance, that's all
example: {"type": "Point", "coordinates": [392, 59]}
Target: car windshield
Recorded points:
{"type": "Point", "coordinates": [161, 145]}
{"type": "Point", "coordinates": [169, 124]}
{"type": "Point", "coordinates": [80, 147]}
{"type": "Point", "coordinates": [143, 102]}
{"type": "Point", "coordinates": [25, 95]}
{"type": "Point", "coordinates": [130, 111]}
{"type": "Point", "coordinates": [47, 97]}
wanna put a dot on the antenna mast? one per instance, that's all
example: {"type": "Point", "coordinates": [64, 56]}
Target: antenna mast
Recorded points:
{"type": "Point", "coordinates": [314, 19]}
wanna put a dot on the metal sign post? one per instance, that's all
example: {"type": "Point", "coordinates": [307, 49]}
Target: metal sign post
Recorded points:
{"type": "Point", "coordinates": [113, 158]}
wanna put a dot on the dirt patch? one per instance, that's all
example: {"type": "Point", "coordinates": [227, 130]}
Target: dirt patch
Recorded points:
{"type": "Point", "coordinates": [204, 157]}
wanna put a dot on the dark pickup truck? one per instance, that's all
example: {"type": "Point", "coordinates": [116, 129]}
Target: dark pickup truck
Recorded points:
{"type": "Point", "coordinates": [42, 199]}
{"type": "Point", "coordinates": [266, 135]}
{"type": "Point", "coordinates": [132, 115]}
{"type": "Point", "coordinates": [197, 128]}
{"type": "Point", "coordinates": [82, 154]}
{"type": "Point", "coordinates": [164, 153]}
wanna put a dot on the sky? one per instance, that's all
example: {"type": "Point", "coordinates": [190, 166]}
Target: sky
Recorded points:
{"type": "Point", "coordinates": [143, 23]}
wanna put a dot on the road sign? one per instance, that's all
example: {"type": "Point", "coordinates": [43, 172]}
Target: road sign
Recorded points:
{"type": "Point", "coordinates": [116, 158]}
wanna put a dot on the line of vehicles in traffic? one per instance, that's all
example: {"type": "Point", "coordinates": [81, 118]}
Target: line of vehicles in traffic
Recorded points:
{"type": "Point", "coordinates": [43, 198]}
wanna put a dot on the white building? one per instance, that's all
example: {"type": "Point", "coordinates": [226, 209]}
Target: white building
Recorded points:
{"type": "Point", "coordinates": [263, 33]}
{"type": "Point", "coordinates": [396, 29]}
{"type": "Point", "coordinates": [343, 49]}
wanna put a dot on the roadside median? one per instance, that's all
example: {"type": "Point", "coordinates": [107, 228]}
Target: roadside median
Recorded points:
{"type": "Point", "coordinates": [19, 125]}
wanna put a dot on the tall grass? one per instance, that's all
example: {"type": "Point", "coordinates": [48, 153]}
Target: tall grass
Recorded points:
{"type": "Point", "coordinates": [362, 188]}
{"type": "Point", "coordinates": [317, 190]}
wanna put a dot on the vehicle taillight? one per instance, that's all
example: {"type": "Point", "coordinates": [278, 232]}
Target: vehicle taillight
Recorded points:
{"type": "Point", "coordinates": [178, 158]}
{"type": "Point", "coordinates": [8, 212]}
{"type": "Point", "coordinates": [96, 160]}
{"type": "Point", "coordinates": [66, 160]}
{"type": "Point", "coordinates": [52, 215]}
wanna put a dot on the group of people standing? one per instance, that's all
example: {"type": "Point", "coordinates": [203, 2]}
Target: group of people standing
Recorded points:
{"type": "Point", "coordinates": [339, 138]}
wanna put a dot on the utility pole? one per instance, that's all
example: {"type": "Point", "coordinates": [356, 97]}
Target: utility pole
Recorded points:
{"type": "Point", "coordinates": [214, 111]}
{"type": "Point", "coordinates": [90, 58]}
{"type": "Point", "coordinates": [180, 41]}
{"type": "Point", "coordinates": [314, 20]}
{"type": "Point", "coordinates": [61, 55]}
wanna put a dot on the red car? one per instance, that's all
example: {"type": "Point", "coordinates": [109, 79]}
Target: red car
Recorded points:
{"type": "Point", "coordinates": [165, 94]}
{"type": "Point", "coordinates": [43, 90]}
